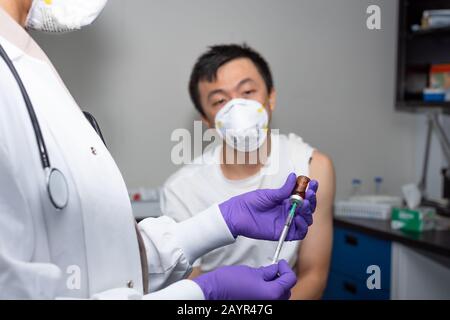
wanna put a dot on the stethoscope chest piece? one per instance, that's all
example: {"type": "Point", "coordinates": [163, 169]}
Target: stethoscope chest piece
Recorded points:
{"type": "Point", "coordinates": [57, 188]}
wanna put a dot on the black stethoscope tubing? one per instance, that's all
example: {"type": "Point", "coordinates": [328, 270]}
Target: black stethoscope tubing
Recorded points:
{"type": "Point", "coordinates": [56, 182]}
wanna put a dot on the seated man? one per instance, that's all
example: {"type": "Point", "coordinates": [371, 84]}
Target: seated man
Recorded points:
{"type": "Point", "coordinates": [231, 87]}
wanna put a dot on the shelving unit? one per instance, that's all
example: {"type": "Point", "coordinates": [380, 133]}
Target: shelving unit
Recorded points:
{"type": "Point", "coordinates": [417, 51]}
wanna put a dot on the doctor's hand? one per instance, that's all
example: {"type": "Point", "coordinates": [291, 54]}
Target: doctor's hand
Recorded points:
{"type": "Point", "coordinates": [261, 214]}
{"type": "Point", "coordinates": [244, 283]}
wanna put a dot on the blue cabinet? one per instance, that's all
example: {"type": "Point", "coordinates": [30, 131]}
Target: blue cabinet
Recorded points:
{"type": "Point", "coordinates": [353, 253]}
{"type": "Point", "coordinates": [344, 287]}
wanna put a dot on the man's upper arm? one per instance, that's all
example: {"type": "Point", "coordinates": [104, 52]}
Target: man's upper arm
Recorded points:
{"type": "Point", "coordinates": [315, 250]}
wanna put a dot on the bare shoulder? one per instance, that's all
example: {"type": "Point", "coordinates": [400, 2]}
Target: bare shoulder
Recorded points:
{"type": "Point", "coordinates": [321, 169]}
{"type": "Point", "coordinates": [321, 164]}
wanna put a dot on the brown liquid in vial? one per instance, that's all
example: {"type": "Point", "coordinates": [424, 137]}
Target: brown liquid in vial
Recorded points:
{"type": "Point", "coordinates": [301, 185]}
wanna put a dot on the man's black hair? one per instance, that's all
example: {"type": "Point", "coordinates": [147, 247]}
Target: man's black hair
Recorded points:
{"type": "Point", "coordinates": [207, 65]}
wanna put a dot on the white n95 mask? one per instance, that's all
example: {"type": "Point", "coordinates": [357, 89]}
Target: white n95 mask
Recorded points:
{"type": "Point", "coordinates": [63, 15]}
{"type": "Point", "coordinates": [243, 124]}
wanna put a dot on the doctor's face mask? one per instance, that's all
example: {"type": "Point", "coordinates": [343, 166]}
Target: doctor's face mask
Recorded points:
{"type": "Point", "coordinates": [57, 16]}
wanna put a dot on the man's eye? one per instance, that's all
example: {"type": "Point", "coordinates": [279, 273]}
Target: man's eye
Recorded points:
{"type": "Point", "coordinates": [249, 92]}
{"type": "Point", "coordinates": [218, 102]}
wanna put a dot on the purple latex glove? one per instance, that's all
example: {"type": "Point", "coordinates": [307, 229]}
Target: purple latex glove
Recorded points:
{"type": "Point", "coordinates": [261, 214]}
{"type": "Point", "coordinates": [244, 283]}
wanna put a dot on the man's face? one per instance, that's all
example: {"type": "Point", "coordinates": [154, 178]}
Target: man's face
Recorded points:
{"type": "Point", "coordinates": [238, 78]}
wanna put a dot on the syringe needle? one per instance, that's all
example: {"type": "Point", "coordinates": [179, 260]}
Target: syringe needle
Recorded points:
{"type": "Point", "coordinates": [285, 232]}
{"type": "Point", "coordinates": [296, 199]}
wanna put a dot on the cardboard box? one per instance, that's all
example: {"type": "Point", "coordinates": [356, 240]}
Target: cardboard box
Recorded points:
{"type": "Point", "coordinates": [417, 220]}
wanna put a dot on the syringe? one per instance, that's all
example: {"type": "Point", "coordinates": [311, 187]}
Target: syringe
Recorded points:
{"type": "Point", "coordinates": [296, 200]}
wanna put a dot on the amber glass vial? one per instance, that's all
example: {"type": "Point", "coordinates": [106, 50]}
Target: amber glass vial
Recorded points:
{"type": "Point", "coordinates": [301, 185]}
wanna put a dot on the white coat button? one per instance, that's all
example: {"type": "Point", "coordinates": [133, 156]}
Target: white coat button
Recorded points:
{"type": "Point", "coordinates": [130, 284]}
{"type": "Point", "coordinates": [94, 151]}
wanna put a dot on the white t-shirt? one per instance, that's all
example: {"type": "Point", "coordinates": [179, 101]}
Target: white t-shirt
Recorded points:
{"type": "Point", "coordinates": [197, 186]}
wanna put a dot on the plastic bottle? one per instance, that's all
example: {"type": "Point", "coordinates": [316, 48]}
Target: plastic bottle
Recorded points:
{"type": "Point", "coordinates": [378, 182]}
{"type": "Point", "coordinates": [356, 188]}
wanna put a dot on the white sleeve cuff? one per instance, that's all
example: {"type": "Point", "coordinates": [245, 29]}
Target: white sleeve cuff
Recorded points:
{"type": "Point", "coordinates": [172, 247]}
{"type": "Point", "coordinates": [181, 290]}
{"type": "Point", "coordinates": [203, 232]}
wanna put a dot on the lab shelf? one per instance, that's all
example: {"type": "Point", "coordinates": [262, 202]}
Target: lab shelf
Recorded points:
{"type": "Point", "coordinates": [430, 32]}
{"type": "Point", "coordinates": [417, 51]}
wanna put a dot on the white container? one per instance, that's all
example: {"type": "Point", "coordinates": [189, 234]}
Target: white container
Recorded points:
{"type": "Point", "coordinates": [383, 199]}
{"type": "Point", "coordinates": [368, 210]}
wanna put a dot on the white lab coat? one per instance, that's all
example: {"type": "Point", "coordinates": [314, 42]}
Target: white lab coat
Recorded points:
{"type": "Point", "coordinates": [90, 248]}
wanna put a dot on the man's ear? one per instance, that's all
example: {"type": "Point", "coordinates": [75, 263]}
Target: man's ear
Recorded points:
{"type": "Point", "coordinates": [272, 100]}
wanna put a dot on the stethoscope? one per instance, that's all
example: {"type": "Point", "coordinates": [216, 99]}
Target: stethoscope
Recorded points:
{"type": "Point", "coordinates": [57, 187]}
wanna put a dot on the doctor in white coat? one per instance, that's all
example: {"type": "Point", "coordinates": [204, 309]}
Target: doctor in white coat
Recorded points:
{"type": "Point", "coordinates": [66, 226]}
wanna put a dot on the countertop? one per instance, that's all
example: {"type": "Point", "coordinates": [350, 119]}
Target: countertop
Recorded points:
{"type": "Point", "coordinates": [436, 241]}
